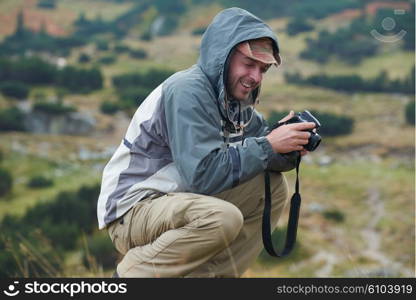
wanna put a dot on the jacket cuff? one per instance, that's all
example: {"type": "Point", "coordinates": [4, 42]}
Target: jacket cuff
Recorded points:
{"type": "Point", "coordinates": [267, 148]}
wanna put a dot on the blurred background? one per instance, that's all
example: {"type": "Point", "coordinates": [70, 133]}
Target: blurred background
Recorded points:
{"type": "Point", "coordinates": [72, 73]}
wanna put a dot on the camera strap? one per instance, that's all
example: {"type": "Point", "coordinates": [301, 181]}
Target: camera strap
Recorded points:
{"type": "Point", "coordinates": [292, 225]}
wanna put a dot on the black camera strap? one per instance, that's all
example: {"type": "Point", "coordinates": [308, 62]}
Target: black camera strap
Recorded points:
{"type": "Point", "coordinates": [292, 225]}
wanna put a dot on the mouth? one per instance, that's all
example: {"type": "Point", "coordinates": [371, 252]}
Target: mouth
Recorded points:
{"type": "Point", "coordinates": [247, 85]}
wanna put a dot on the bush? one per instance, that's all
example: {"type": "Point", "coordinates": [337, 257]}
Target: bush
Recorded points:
{"type": "Point", "coordinates": [119, 48]}
{"type": "Point", "coordinates": [48, 227]}
{"type": "Point", "coordinates": [102, 45]}
{"type": "Point", "coordinates": [11, 119]}
{"type": "Point", "coordinates": [298, 25]}
{"type": "Point", "coordinates": [53, 108]}
{"type": "Point", "coordinates": [147, 36]}
{"type": "Point", "coordinates": [14, 89]}
{"type": "Point", "coordinates": [46, 4]}
{"type": "Point", "coordinates": [334, 215]}
{"type": "Point", "coordinates": [138, 53]}
{"type": "Point", "coordinates": [102, 250]}
{"type": "Point", "coordinates": [33, 71]}
{"type": "Point", "coordinates": [133, 97]}
{"type": "Point", "coordinates": [410, 113]}
{"type": "Point", "coordinates": [80, 80]}
{"type": "Point", "coordinates": [109, 108]}
{"type": "Point", "coordinates": [349, 44]}
{"type": "Point", "coordinates": [199, 31]}
{"type": "Point", "coordinates": [84, 58]}
{"type": "Point", "coordinates": [39, 182]}
{"type": "Point", "coordinates": [6, 182]}
{"type": "Point", "coordinates": [379, 83]}
{"type": "Point", "coordinates": [169, 25]}
{"type": "Point", "coordinates": [276, 116]}
{"type": "Point", "coordinates": [108, 60]}
{"type": "Point", "coordinates": [332, 125]}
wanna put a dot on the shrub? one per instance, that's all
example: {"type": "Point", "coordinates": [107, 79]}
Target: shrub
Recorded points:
{"type": "Point", "coordinates": [334, 215]}
{"type": "Point", "coordinates": [102, 45]}
{"type": "Point", "coordinates": [147, 36]}
{"type": "Point", "coordinates": [109, 108]}
{"type": "Point", "coordinates": [14, 89]}
{"type": "Point", "coordinates": [46, 4]}
{"type": "Point", "coordinates": [53, 108]}
{"type": "Point", "coordinates": [410, 113]}
{"type": "Point", "coordinates": [298, 25]}
{"type": "Point", "coordinates": [133, 97]}
{"type": "Point", "coordinates": [119, 48]}
{"type": "Point", "coordinates": [138, 53]}
{"type": "Point", "coordinates": [108, 60]}
{"type": "Point", "coordinates": [84, 58]}
{"type": "Point", "coordinates": [276, 116]}
{"type": "Point", "coordinates": [102, 250]}
{"type": "Point", "coordinates": [133, 88]}
{"type": "Point", "coordinates": [6, 182]}
{"type": "Point", "coordinates": [332, 125]}
{"type": "Point", "coordinates": [11, 119]}
{"type": "Point", "coordinates": [199, 31]}
{"type": "Point", "coordinates": [39, 182]}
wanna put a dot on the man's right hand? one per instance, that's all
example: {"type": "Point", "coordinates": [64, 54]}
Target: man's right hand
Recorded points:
{"type": "Point", "coordinates": [290, 137]}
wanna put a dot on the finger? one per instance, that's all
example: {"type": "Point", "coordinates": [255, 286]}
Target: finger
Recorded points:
{"type": "Point", "coordinates": [301, 141]}
{"type": "Point", "coordinates": [302, 126]}
{"type": "Point", "coordinates": [289, 116]}
{"type": "Point", "coordinates": [304, 152]}
{"type": "Point", "coordinates": [303, 135]}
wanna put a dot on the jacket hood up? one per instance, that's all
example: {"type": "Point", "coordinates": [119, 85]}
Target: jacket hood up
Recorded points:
{"type": "Point", "coordinates": [229, 28]}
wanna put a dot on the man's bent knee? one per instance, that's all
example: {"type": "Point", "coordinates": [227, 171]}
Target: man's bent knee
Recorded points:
{"type": "Point", "coordinates": [228, 221]}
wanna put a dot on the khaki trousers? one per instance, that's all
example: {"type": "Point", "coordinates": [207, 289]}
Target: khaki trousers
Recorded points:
{"type": "Point", "coordinates": [193, 235]}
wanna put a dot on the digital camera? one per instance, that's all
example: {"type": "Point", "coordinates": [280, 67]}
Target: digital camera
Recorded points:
{"type": "Point", "coordinates": [305, 116]}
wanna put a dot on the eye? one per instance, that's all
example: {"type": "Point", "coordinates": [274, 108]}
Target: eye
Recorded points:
{"type": "Point", "coordinates": [265, 69]}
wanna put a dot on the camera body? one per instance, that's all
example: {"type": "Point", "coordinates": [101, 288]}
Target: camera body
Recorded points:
{"type": "Point", "coordinates": [305, 116]}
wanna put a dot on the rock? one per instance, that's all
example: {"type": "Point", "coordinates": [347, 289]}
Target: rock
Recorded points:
{"type": "Point", "coordinates": [325, 160]}
{"type": "Point", "coordinates": [73, 123]}
{"type": "Point", "coordinates": [157, 26]}
{"type": "Point", "coordinates": [374, 272]}
{"type": "Point", "coordinates": [86, 154]}
{"type": "Point", "coordinates": [316, 207]}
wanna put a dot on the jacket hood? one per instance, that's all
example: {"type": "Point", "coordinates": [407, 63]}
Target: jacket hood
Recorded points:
{"type": "Point", "coordinates": [229, 28]}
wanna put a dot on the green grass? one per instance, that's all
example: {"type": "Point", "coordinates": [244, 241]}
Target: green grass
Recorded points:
{"type": "Point", "coordinates": [345, 187]}
{"type": "Point", "coordinates": [107, 10]}
{"type": "Point", "coordinates": [66, 176]}
{"type": "Point", "coordinates": [379, 154]}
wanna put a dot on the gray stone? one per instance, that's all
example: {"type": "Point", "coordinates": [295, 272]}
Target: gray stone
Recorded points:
{"type": "Point", "coordinates": [73, 123]}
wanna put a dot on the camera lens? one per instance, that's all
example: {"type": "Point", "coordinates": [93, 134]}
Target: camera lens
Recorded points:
{"type": "Point", "coordinates": [314, 141]}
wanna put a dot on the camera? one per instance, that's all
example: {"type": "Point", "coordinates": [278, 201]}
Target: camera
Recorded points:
{"type": "Point", "coordinates": [305, 116]}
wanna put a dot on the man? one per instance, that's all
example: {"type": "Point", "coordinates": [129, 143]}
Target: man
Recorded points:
{"type": "Point", "coordinates": [182, 195]}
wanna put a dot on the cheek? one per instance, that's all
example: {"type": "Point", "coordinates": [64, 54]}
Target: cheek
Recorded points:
{"type": "Point", "coordinates": [236, 75]}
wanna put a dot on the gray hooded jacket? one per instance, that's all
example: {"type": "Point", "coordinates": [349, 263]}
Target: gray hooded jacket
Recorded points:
{"type": "Point", "coordinates": [186, 136]}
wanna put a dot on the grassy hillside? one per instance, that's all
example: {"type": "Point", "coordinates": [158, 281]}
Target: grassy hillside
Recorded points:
{"type": "Point", "coordinates": [355, 188]}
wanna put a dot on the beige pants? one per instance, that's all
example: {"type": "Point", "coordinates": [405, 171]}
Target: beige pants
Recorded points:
{"type": "Point", "coordinates": [192, 235]}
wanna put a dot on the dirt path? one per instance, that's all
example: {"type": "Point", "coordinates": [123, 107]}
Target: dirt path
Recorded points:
{"type": "Point", "coordinates": [373, 238]}
{"type": "Point", "coordinates": [373, 250]}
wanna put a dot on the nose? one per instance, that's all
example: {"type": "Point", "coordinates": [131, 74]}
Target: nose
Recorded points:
{"type": "Point", "coordinates": [256, 75]}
